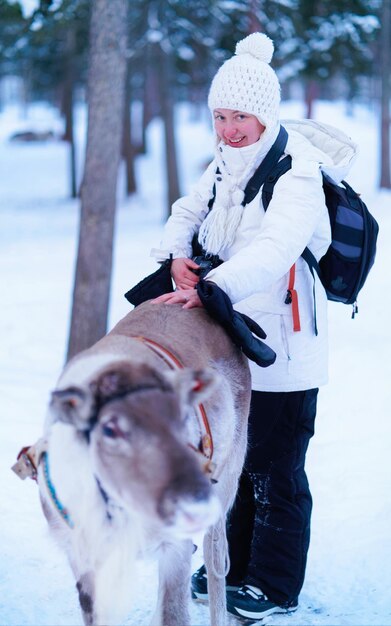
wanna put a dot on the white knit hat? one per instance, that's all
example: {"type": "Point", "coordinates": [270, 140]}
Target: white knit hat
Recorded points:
{"type": "Point", "coordinates": [247, 83]}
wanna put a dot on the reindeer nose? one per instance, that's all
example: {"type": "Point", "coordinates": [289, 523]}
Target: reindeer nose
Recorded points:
{"type": "Point", "coordinates": [197, 490]}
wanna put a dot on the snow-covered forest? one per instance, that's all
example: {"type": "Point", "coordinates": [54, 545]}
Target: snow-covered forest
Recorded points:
{"type": "Point", "coordinates": [329, 58]}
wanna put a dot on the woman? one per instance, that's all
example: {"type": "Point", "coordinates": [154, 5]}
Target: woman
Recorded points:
{"type": "Point", "coordinates": [269, 526]}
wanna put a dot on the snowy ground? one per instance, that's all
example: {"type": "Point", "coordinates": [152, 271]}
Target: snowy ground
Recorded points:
{"type": "Point", "coordinates": [349, 573]}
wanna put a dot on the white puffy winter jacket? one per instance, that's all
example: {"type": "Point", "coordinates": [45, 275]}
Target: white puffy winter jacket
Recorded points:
{"type": "Point", "coordinates": [256, 266]}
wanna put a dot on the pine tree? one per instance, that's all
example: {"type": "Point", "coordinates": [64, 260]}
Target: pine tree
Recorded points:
{"type": "Point", "coordinates": [335, 39]}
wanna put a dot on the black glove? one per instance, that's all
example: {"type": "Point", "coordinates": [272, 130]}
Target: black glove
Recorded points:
{"type": "Point", "coordinates": [152, 286]}
{"type": "Point", "coordinates": [239, 327]}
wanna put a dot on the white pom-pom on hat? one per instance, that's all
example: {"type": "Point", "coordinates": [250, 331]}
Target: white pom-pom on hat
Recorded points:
{"type": "Point", "coordinates": [258, 45]}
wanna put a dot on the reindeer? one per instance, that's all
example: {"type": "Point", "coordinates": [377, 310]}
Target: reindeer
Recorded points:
{"type": "Point", "coordinates": [145, 439]}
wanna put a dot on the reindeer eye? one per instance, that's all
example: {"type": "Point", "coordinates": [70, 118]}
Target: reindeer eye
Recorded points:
{"type": "Point", "coordinates": [108, 431]}
{"type": "Point", "coordinates": [113, 430]}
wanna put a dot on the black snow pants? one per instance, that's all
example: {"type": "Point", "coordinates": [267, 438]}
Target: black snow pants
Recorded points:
{"type": "Point", "coordinates": [269, 525]}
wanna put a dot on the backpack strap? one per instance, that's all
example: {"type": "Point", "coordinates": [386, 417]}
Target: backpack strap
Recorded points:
{"type": "Point", "coordinates": [281, 168]}
{"type": "Point", "coordinates": [267, 166]}
{"type": "Point", "coordinates": [313, 265]}
{"type": "Point", "coordinates": [267, 193]}
{"type": "Point", "coordinates": [292, 297]}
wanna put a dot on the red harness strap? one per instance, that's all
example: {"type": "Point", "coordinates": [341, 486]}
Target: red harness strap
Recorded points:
{"type": "Point", "coordinates": [293, 299]}
{"type": "Point", "coordinates": [174, 363]}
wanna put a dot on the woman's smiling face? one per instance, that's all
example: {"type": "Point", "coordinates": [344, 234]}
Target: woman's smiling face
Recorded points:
{"type": "Point", "coordinates": [237, 129]}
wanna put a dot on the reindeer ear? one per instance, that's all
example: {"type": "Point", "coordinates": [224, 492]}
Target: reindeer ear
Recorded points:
{"type": "Point", "coordinates": [72, 406]}
{"type": "Point", "coordinates": [194, 386]}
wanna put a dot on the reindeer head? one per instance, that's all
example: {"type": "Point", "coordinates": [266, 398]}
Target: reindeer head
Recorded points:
{"type": "Point", "coordinates": [79, 405]}
{"type": "Point", "coordinates": [136, 417]}
{"type": "Point", "coordinates": [141, 452]}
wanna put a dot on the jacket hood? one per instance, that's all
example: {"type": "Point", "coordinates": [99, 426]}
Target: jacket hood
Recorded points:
{"type": "Point", "coordinates": [322, 143]}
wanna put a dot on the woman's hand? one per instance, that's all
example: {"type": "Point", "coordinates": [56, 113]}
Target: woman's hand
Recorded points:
{"type": "Point", "coordinates": [181, 271]}
{"type": "Point", "coordinates": [188, 297]}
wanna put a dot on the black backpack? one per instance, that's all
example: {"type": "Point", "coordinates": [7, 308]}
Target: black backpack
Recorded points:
{"type": "Point", "coordinates": [345, 266]}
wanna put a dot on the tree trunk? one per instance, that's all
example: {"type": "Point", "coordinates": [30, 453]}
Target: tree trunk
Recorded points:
{"type": "Point", "coordinates": [385, 170]}
{"type": "Point", "coordinates": [106, 83]}
{"type": "Point", "coordinates": [254, 25]}
{"type": "Point", "coordinates": [150, 96]}
{"type": "Point", "coordinates": [311, 93]}
{"type": "Point", "coordinates": [128, 150]}
{"type": "Point", "coordinates": [67, 110]}
{"type": "Point", "coordinates": [167, 112]}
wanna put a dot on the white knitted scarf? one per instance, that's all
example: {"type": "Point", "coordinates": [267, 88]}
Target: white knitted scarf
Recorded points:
{"type": "Point", "coordinates": [236, 165]}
